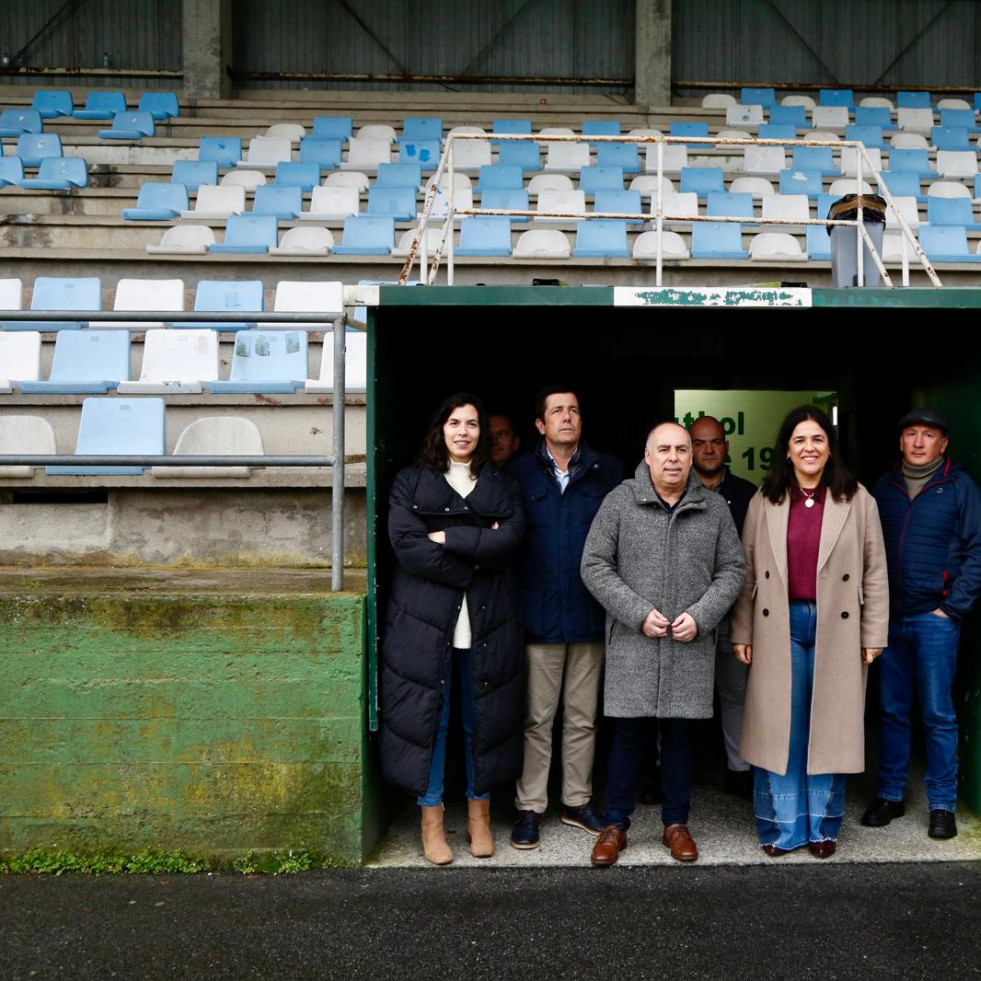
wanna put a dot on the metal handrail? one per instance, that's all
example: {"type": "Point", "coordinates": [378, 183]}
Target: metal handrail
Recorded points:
{"type": "Point", "coordinates": [657, 217]}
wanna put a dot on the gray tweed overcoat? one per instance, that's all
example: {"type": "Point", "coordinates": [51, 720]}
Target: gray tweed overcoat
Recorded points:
{"type": "Point", "coordinates": [639, 557]}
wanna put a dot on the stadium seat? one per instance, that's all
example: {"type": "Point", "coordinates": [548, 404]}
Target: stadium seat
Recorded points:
{"type": "Point", "coordinates": [62, 293]}
{"type": "Point", "coordinates": [312, 241]}
{"type": "Point", "coordinates": [506, 199]}
{"type": "Point", "coordinates": [811, 158]}
{"type": "Point", "coordinates": [520, 153]}
{"type": "Point", "coordinates": [226, 151]}
{"type": "Point", "coordinates": [399, 175]}
{"type": "Point", "coordinates": [776, 246]}
{"type": "Point", "coordinates": [355, 364]}
{"type": "Point", "coordinates": [871, 136]}
{"type": "Point", "coordinates": [950, 138]}
{"type": "Point", "coordinates": [332, 203]}
{"type": "Point", "coordinates": [500, 177]}
{"type": "Point", "coordinates": [702, 180]}
{"type": "Point", "coordinates": [622, 155]}
{"type": "Point", "coordinates": [471, 155]}
{"type": "Point", "coordinates": [284, 203]}
{"type": "Point", "coordinates": [347, 178]}
{"type": "Point", "coordinates": [326, 154]}
{"type": "Point", "coordinates": [32, 148]}
{"type": "Point", "coordinates": [214, 436]}
{"type": "Point", "coordinates": [367, 155]}
{"type": "Point", "coordinates": [817, 243]}
{"type": "Point", "coordinates": [850, 160]}
{"type": "Point", "coordinates": [367, 235]}
{"type": "Point", "coordinates": [267, 363]}
{"type": "Point", "coordinates": [764, 161]}
{"type": "Point", "coordinates": [158, 202]}
{"type": "Point", "coordinates": [28, 435]}
{"type": "Point", "coordinates": [757, 186]}
{"type": "Point", "coordinates": [248, 234]}
{"type": "Point", "coordinates": [786, 207]}
{"type": "Point", "coordinates": [20, 358]}
{"type": "Point", "coordinates": [718, 100]}
{"type": "Point", "coordinates": [513, 127]}
{"type": "Point", "coordinates": [674, 161]}
{"type": "Point", "coordinates": [184, 240]}
{"type": "Point", "coordinates": [807, 182]}
{"type": "Point", "coordinates": [227, 296]}
{"type": "Point", "coordinates": [294, 132]}
{"type": "Point", "coordinates": [566, 158]}
{"type": "Point", "coordinates": [795, 116]}
{"type": "Point", "coordinates": [647, 185]}
{"type": "Point", "coordinates": [422, 128]}
{"type": "Point", "coordinates": [393, 202]}
{"type": "Point", "coordinates": [717, 240]}
{"type": "Point", "coordinates": [248, 179]}
{"type": "Point", "coordinates": [101, 104]}
{"type": "Point", "coordinates": [961, 164]}
{"type": "Point", "coordinates": [292, 173]}
{"type": "Point", "coordinates": [672, 246]}
{"type": "Point", "coordinates": [695, 129]}
{"type": "Point", "coordinates": [11, 294]}
{"type": "Point", "coordinates": [946, 243]}
{"type": "Point", "coordinates": [600, 127]}
{"type": "Point", "coordinates": [914, 100]}
{"type": "Point", "coordinates": [950, 189]}
{"type": "Point", "coordinates": [217, 202]}
{"type": "Point", "coordinates": [325, 297]}
{"type": "Point", "coordinates": [160, 105]}
{"type": "Point", "coordinates": [911, 162]}
{"type": "Point", "coordinates": [601, 238]}
{"type": "Point", "coordinates": [11, 171]}
{"type": "Point", "coordinates": [265, 152]}
{"type": "Point", "coordinates": [952, 211]}
{"type": "Point", "coordinates": [830, 117]}
{"type": "Point", "coordinates": [193, 173]}
{"type": "Point", "coordinates": [957, 118]}
{"type": "Point", "coordinates": [175, 361]}
{"type": "Point", "coordinates": [728, 204]}
{"type": "Point", "coordinates": [484, 235]}
{"type": "Point", "coordinates": [907, 208]}
{"type": "Point", "coordinates": [145, 295]}
{"type": "Point", "coordinates": [849, 185]}
{"type": "Point", "coordinates": [837, 97]}
{"type": "Point", "coordinates": [880, 116]}
{"type": "Point", "coordinates": [58, 174]}
{"type": "Point", "coordinates": [52, 103]}
{"type": "Point", "coordinates": [433, 241]}
{"type": "Point", "coordinates": [332, 128]}
{"type": "Point", "coordinates": [748, 116]}
{"type": "Point", "coordinates": [542, 243]}
{"type": "Point", "coordinates": [14, 122]}
{"type": "Point", "coordinates": [777, 131]}
{"type": "Point", "coordinates": [129, 126]}
{"type": "Point", "coordinates": [593, 179]}
{"type": "Point", "coordinates": [914, 120]}
{"type": "Point", "coordinates": [757, 96]}
{"type": "Point", "coordinates": [678, 205]}
{"type": "Point", "coordinates": [903, 183]}
{"type": "Point", "coordinates": [118, 426]}
{"type": "Point", "coordinates": [619, 202]}
{"type": "Point", "coordinates": [565, 203]}
{"type": "Point", "coordinates": [559, 182]}
{"type": "Point", "coordinates": [425, 153]}
{"type": "Point", "coordinates": [85, 362]}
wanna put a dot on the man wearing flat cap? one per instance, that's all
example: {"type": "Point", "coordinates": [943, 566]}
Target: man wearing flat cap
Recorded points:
{"type": "Point", "coordinates": [931, 520]}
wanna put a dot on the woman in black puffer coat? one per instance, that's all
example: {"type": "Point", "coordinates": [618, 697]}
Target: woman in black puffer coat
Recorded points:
{"type": "Point", "coordinates": [453, 625]}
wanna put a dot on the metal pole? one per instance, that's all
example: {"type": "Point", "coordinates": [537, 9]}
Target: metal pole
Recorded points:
{"type": "Point", "coordinates": [337, 488]}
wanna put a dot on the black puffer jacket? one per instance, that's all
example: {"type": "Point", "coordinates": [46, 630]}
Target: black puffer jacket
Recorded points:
{"type": "Point", "coordinates": [426, 596]}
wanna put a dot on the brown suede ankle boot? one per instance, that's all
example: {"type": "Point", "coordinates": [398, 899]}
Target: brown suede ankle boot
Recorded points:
{"type": "Point", "coordinates": [434, 844]}
{"type": "Point", "coordinates": [479, 829]}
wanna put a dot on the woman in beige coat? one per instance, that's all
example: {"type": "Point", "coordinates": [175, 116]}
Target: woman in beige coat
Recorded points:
{"type": "Point", "coordinates": [812, 616]}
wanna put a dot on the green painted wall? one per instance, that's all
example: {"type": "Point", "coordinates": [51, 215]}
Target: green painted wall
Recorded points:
{"type": "Point", "coordinates": [213, 722]}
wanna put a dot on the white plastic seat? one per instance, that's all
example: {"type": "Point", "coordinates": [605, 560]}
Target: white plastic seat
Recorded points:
{"type": "Point", "coordinates": [847, 185]}
{"type": "Point", "coordinates": [293, 132]}
{"type": "Point", "coordinates": [542, 243]}
{"type": "Point", "coordinates": [249, 179]}
{"type": "Point", "coordinates": [184, 240]}
{"type": "Point", "coordinates": [563, 203]}
{"type": "Point", "coordinates": [265, 152]}
{"type": "Point", "coordinates": [214, 436]}
{"type": "Point", "coordinates": [744, 115]}
{"type": "Point", "coordinates": [175, 361]}
{"type": "Point", "coordinates": [549, 182]}
{"type": "Point", "coordinates": [877, 102]}
{"type": "Point", "coordinates": [734, 134]}
{"type": "Point", "coordinates": [20, 357]}
{"type": "Point", "coordinates": [909, 141]}
{"type": "Point", "coordinates": [325, 298]}
{"type": "Point", "coordinates": [672, 246]}
{"type": "Point", "coordinates": [788, 207]}
{"type": "Point", "coordinates": [462, 200]}
{"type": "Point", "coordinates": [567, 158]}
{"type": "Point", "coordinates": [799, 100]}
{"type": "Point", "coordinates": [332, 203]}
{"type": "Point", "coordinates": [820, 135]}
{"type": "Point", "coordinates": [718, 100]}
{"type": "Point", "coordinates": [781, 246]}
{"type": "Point", "coordinates": [459, 181]}
{"type": "Point", "coordinates": [355, 364]}
{"type": "Point", "coordinates": [679, 204]}
{"type": "Point", "coordinates": [11, 294]}
{"type": "Point", "coordinates": [907, 207]}
{"type": "Point", "coordinates": [30, 435]}
{"type": "Point", "coordinates": [914, 120]}
{"type": "Point", "coordinates": [366, 154]}
{"type": "Point", "coordinates": [312, 240]}
{"type": "Point", "coordinates": [850, 158]}
{"type": "Point", "coordinates": [144, 294]}
{"type": "Point", "coordinates": [830, 117]}
{"type": "Point", "coordinates": [471, 155]}
{"type": "Point", "coordinates": [466, 131]}
{"type": "Point", "coordinates": [948, 189]}
{"type": "Point", "coordinates": [215, 202]}
{"type": "Point", "coordinates": [757, 186]}
{"type": "Point", "coordinates": [764, 161]}
{"type": "Point", "coordinates": [434, 236]}
{"type": "Point", "coordinates": [675, 158]}
{"type": "Point", "coordinates": [347, 178]}
{"type": "Point", "coordinates": [892, 246]}
{"type": "Point", "coordinates": [377, 131]}
{"type": "Point", "coordinates": [957, 163]}
{"type": "Point", "coordinates": [648, 187]}
{"type": "Point", "coordinates": [951, 103]}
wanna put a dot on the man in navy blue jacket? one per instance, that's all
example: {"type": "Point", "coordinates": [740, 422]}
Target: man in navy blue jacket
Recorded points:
{"type": "Point", "coordinates": [563, 482]}
{"type": "Point", "coordinates": [931, 519]}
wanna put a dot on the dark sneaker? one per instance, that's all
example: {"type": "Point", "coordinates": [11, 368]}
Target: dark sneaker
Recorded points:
{"type": "Point", "coordinates": [942, 824]}
{"type": "Point", "coordinates": [881, 811]}
{"type": "Point", "coordinates": [585, 818]}
{"type": "Point", "coordinates": [524, 834]}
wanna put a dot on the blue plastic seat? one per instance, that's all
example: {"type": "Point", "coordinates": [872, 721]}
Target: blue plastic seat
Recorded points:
{"type": "Point", "coordinates": [248, 234]}
{"type": "Point", "coordinates": [226, 151]}
{"type": "Point", "coordinates": [871, 136]}
{"type": "Point", "coordinates": [903, 184]}
{"type": "Point", "coordinates": [367, 235]}
{"type": "Point", "coordinates": [837, 97]}
{"type": "Point", "coordinates": [593, 179]}
{"type": "Point", "coordinates": [515, 153]}
{"type": "Point", "coordinates": [423, 152]}
{"type": "Point", "coordinates": [809, 182]}
{"type": "Point", "coordinates": [777, 131]}
{"type": "Point", "coordinates": [977, 101]}
{"type": "Point", "coordinates": [101, 104]}
{"type": "Point", "coordinates": [702, 180]}
{"type": "Point", "coordinates": [620, 202]}
{"type": "Point", "coordinates": [958, 118]}
{"type": "Point", "coordinates": [193, 173]}
{"type": "Point", "coordinates": [911, 161]}
{"type": "Point", "coordinates": [601, 238]}
{"type": "Point", "coordinates": [717, 240]}
{"type": "Point", "coordinates": [484, 235]}
{"type": "Point", "coordinates": [600, 127]}
{"type": "Point", "coordinates": [11, 171]}
{"type": "Point", "coordinates": [59, 174]}
{"type": "Point", "coordinates": [977, 185]}
{"type": "Point", "coordinates": [85, 362]}
{"type": "Point", "coordinates": [266, 362]}
{"type": "Point", "coordinates": [950, 138]}
{"type": "Point", "coordinates": [874, 116]}
{"type": "Point", "coordinates": [394, 202]}
{"type": "Point", "coordinates": [333, 128]}
{"type": "Point", "coordinates": [52, 103]}
{"type": "Point", "coordinates": [819, 158]}
{"type": "Point", "coordinates": [817, 243]}
{"type": "Point", "coordinates": [795, 116]}
{"type": "Point", "coordinates": [422, 128]}
{"type": "Point", "coordinates": [225, 296]}
{"type": "Point", "coordinates": [110, 426]}
{"type": "Point", "coordinates": [684, 128]}
{"type": "Point", "coordinates": [13, 122]}
{"type": "Point", "coordinates": [61, 293]}
{"type": "Point", "coordinates": [130, 126]}
{"type": "Point", "coordinates": [951, 211]}
{"type": "Point", "coordinates": [282, 202]}
{"type": "Point", "coordinates": [399, 175]}
{"type": "Point", "coordinates": [160, 105]}
{"type": "Point", "coordinates": [32, 148]}
{"type": "Point", "coordinates": [496, 176]}
{"type": "Point", "coordinates": [325, 153]}
{"type": "Point", "coordinates": [622, 155]}
{"type": "Point", "coordinates": [946, 243]}
{"type": "Point", "coordinates": [506, 199]}
{"type": "Point", "coordinates": [511, 127]}
{"type": "Point", "coordinates": [914, 100]}
{"type": "Point", "coordinates": [292, 173]}
{"type": "Point", "coordinates": [726, 204]}
{"type": "Point", "coordinates": [158, 201]}
{"type": "Point", "coordinates": [757, 96]}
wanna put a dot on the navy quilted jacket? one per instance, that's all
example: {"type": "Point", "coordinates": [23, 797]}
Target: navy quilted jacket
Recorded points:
{"type": "Point", "coordinates": [933, 542]}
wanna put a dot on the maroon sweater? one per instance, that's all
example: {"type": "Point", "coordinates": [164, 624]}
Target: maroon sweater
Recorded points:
{"type": "Point", "coordinates": [803, 543]}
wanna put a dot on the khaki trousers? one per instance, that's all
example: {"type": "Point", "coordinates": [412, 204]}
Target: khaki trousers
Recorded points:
{"type": "Point", "coordinates": [572, 671]}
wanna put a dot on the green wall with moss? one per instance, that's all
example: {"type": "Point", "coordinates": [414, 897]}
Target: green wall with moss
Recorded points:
{"type": "Point", "coordinates": [156, 711]}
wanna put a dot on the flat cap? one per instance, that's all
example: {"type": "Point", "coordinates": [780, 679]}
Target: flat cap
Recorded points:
{"type": "Point", "coordinates": [924, 417]}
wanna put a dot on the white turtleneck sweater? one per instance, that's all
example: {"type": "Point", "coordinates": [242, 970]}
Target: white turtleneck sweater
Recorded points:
{"type": "Point", "coordinates": [460, 479]}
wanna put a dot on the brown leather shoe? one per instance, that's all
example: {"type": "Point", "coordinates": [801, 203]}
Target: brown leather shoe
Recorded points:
{"type": "Point", "coordinates": [822, 849]}
{"type": "Point", "coordinates": [611, 841]}
{"type": "Point", "coordinates": [678, 838]}
{"type": "Point", "coordinates": [775, 851]}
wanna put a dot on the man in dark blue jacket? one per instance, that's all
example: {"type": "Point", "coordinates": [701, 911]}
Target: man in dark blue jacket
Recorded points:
{"type": "Point", "coordinates": [931, 519]}
{"type": "Point", "coordinates": [563, 482]}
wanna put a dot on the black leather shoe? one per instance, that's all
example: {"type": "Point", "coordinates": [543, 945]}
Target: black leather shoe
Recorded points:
{"type": "Point", "coordinates": [881, 811]}
{"type": "Point", "coordinates": [525, 832]}
{"type": "Point", "coordinates": [942, 824]}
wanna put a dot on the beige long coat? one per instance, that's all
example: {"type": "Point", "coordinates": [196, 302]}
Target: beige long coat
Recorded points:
{"type": "Point", "coordinates": [852, 613]}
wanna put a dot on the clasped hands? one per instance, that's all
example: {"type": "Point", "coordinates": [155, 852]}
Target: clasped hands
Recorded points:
{"type": "Point", "coordinates": [683, 628]}
{"type": "Point", "coordinates": [744, 652]}
{"type": "Point", "coordinates": [439, 537]}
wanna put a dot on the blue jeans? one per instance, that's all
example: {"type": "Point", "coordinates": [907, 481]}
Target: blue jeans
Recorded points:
{"type": "Point", "coordinates": [468, 718]}
{"type": "Point", "coordinates": [921, 658]}
{"type": "Point", "coordinates": [627, 758]}
{"type": "Point", "coordinates": [797, 807]}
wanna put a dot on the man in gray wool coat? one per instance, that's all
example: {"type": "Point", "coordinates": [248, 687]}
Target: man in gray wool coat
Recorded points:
{"type": "Point", "coordinates": [664, 560]}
